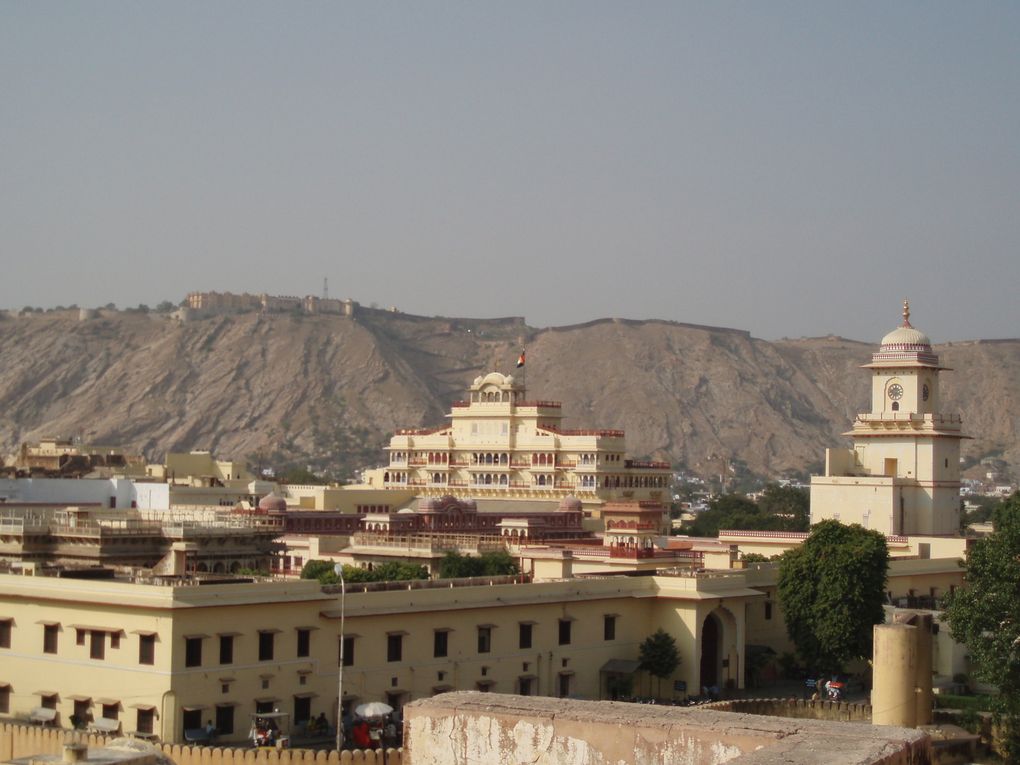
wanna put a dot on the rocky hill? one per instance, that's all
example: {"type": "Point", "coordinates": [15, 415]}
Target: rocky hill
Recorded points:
{"type": "Point", "coordinates": [242, 383]}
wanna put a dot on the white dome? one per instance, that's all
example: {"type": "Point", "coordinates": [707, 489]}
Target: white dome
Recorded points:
{"type": "Point", "coordinates": [906, 336]}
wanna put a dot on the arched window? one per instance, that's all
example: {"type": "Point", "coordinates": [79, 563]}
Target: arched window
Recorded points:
{"type": "Point", "coordinates": [896, 406]}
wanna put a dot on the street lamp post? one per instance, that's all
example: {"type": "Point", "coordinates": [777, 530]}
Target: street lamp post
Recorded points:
{"type": "Point", "coordinates": [339, 569]}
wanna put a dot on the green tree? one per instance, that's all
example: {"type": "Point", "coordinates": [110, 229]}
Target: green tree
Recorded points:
{"type": "Point", "coordinates": [780, 508]}
{"type": "Point", "coordinates": [313, 569]}
{"type": "Point", "coordinates": [787, 503]}
{"type": "Point", "coordinates": [831, 589]}
{"type": "Point", "coordinates": [453, 565]}
{"type": "Point", "coordinates": [658, 655]}
{"type": "Point", "coordinates": [985, 617]}
{"type": "Point", "coordinates": [324, 571]}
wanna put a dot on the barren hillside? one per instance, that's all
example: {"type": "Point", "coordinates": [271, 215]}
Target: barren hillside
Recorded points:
{"type": "Point", "coordinates": [237, 384]}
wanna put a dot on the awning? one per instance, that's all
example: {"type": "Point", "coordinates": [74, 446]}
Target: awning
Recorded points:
{"type": "Point", "coordinates": [143, 706]}
{"type": "Point", "coordinates": [197, 635]}
{"type": "Point", "coordinates": [228, 704]}
{"type": "Point", "coordinates": [96, 628]}
{"type": "Point", "coordinates": [48, 623]}
{"type": "Point", "coordinates": [270, 631]}
{"type": "Point", "coordinates": [45, 693]}
{"type": "Point", "coordinates": [228, 634]}
{"type": "Point", "coordinates": [108, 702]}
{"type": "Point", "coordinates": [79, 697]}
{"type": "Point", "coordinates": [193, 707]}
{"type": "Point", "coordinates": [306, 627]}
{"type": "Point", "coordinates": [144, 632]}
{"type": "Point", "coordinates": [621, 666]}
{"type": "Point", "coordinates": [266, 700]}
{"type": "Point", "coordinates": [308, 695]}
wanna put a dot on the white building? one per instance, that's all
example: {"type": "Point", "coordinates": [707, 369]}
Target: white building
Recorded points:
{"type": "Point", "coordinates": [902, 474]}
{"type": "Point", "coordinates": [500, 445]}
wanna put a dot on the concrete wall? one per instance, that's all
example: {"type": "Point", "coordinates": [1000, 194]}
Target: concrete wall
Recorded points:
{"type": "Point", "coordinates": [798, 709]}
{"type": "Point", "coordinates": [481, 728]}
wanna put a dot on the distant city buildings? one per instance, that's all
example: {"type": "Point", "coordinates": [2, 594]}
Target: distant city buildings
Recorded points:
{"type": "Point", "coordinates": [125, 600]}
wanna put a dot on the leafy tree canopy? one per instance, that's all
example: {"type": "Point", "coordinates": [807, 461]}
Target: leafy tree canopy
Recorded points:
{"type": "Point", "coordinates": [780, 508]}
{"type": "Point", "coordinates": [985, 616]}
{"type": "Point", "coordinates": [658, 654]}
{"type": "Point", "coordinates": [832, 588]}
{"type": "Point", "coordinates": [385, 572]}
{"type": "Point", "coordinates": [496, 563]}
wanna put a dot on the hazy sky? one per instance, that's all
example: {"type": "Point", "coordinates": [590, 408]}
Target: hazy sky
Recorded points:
{"type": "Point", "coordinates": [788, 168]}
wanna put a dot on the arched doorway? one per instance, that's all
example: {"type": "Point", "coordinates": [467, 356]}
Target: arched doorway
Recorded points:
{"type": "Point", "coordinates": [711, 648]}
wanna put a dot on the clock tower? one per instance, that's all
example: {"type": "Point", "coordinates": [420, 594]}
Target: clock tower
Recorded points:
{"type": "Point", "coordinates": [902, 475]}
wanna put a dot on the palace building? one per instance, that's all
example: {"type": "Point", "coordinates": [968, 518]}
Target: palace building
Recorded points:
{"type": "Point", "coordinates": [499, 444]}
{"type": "Point", "coordinates": [902, 474]}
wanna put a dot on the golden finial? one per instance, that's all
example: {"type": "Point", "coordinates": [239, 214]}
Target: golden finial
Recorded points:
{"type": "Point", "coordinates": [906, 312]}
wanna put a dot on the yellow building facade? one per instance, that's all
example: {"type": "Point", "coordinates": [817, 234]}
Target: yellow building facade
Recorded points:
{"type": "Point", "coordinates": [162, 659]}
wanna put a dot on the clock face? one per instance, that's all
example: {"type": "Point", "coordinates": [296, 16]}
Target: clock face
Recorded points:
{"type": "Point", "coordinates": [895, 391]}
{"type": "Point", "coordinates": [925, 393]}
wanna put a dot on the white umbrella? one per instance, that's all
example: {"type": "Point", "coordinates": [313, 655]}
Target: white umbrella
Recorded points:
{"type": "Point", "coordinates": [373, 709]}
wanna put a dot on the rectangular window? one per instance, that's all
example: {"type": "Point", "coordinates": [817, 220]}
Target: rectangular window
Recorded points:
{"type": "Point", "coordinates": [304, 643]}
{"type": "Point", "coordinates": [564, 686]}
{"type": "Point", "coordinates": [111, 711]}
{"type": "Point", "coordinates": [768, 609]}
{"type": "Point", "coordinates": [440, 643]}
{"type": "Point", "coordinates": [394, 647]}
{"type": "Point", "coordinates": [302, 710]}
{"type": "Point", "coordinates": [565, 631]}
{"type": "Point", "coordinates": [48, 702]}
{"type": "Point", "coordinates": [484, 639]}
{"type": "Point", "coordinates": [97, 644]}
{"type": "Point", "coordinates": [114, 640]}
{"type": "Point", "coordinates": [266, 645]}
{"type": "Point", "coordinates": [5, 633]}
{"type": "Point", "coordinates": [79, 637]}
{"type": "Point", "coordinates": [5, 699]}
{"type": "Point", "coordinates": [50, 635]}
{"type": "Point", "coordinates": [524, 686]}
{"type": "Point", "coordinates": [224, 720]}
{"type": "Point", "coordinates": [147, 649]}
{"type": "Point", "coordinates": [226, 649]}
{"type": "Point", "coordinates": [143, 722]}
{"type": "Point", "coordinates": [524, 636]}
{"type": "Point", "coordinates": [193, 652]}
{"type": "Point", "coordinates": [348, 652]}
{"type": "Point", "coordinates": [609, 627]}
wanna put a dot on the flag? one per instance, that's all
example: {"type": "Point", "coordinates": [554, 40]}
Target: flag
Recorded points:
{"type": "Point", "coordinates": [520, 360]}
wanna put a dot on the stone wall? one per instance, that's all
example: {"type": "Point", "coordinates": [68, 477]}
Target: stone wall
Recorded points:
{"type": "Point", "coordinates": [26, 740]}
{"type": "Point", "coordinates": [800, 709]}
{"type": "Point", "coordinates": [498, 729]}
